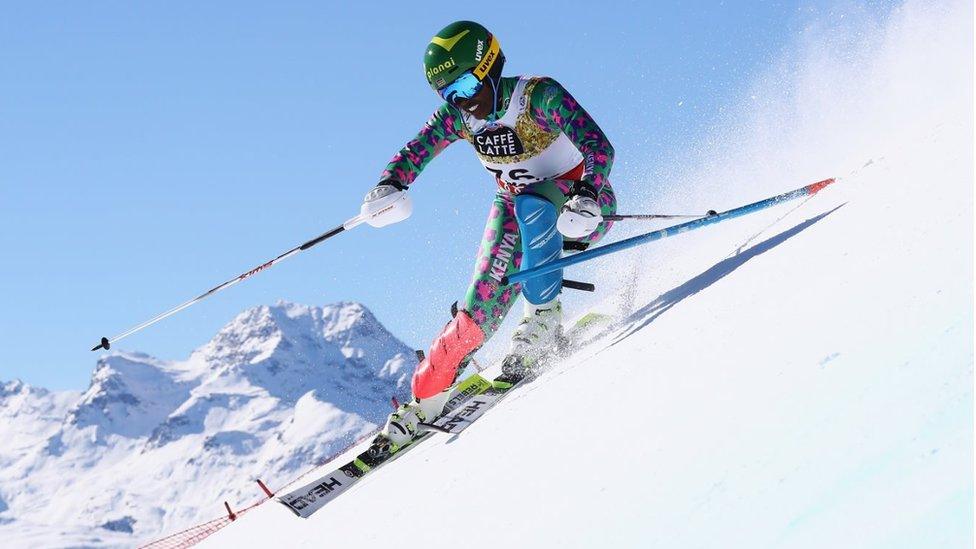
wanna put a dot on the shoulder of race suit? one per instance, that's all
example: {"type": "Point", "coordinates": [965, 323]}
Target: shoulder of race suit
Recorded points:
{"type": "Point", "coordinates": [553, 107]}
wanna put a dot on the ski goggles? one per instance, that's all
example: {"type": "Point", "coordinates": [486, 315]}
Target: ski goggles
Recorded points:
{"type": "Point", "coordinates": [465, 86]}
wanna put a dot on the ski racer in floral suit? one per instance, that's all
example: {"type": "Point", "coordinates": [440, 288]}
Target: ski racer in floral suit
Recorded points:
{"type": "Point", "coordinates": [551, 163]}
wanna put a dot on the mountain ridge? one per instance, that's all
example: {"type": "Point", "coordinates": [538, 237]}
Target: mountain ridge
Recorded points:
{"type": "Point", "coordinates": [277, 388]}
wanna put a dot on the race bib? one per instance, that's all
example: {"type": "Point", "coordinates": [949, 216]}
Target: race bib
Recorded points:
{"type": "Point", "coordinates": [499, 141]}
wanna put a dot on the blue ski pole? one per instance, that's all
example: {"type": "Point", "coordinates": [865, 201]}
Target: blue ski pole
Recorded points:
{"type": "Point", "coordinates": [593, 253]}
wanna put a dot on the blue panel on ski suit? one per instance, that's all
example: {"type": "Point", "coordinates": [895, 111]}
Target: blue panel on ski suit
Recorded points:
{"type": "Point", "coordinates": [541, 243]}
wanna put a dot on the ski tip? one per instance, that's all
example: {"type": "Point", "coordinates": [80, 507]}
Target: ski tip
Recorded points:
{"type": "Point", "coordinates": [284, 502]}
{"type": "Point", "coordinates": [103, 344]}
{"type": "Point", "coordinates": [814, 188]}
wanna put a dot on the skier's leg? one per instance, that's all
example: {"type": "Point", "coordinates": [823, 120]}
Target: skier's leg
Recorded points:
{"type": "Point", "coordinates": [477, 319]}
{"type": "Point", "coordinates": [521, 232]}
{"type": "Point", "coordinates": [541, 244]}
{"type": "Point", "coordinates": [485, 305]}
{"type": "Point", "coordinates": [540, 328]}
{"type": "Point", "coordinates": [487, 300]}
{"type": "Point", "coordinates": [433, 376]}
{"type": "Point", "coordinates": [500, 254]}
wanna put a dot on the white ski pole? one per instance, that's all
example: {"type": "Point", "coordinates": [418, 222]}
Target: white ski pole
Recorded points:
{"type": "Point", "coordinates": [105, 343]}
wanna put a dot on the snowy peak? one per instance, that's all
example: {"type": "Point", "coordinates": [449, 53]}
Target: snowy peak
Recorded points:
{"type": "Point", "coordinates": [28, 416]}
{"type": "Point", "coordinates": [17, 399]}
{"type": "Point", "coordinates": [346, 322]}
{"type": "Point", "coordinates": [350, 325]}
{"type": "Point", "coordinates": [338, 355]}
{"type": "Point", "coordinates": [17, 391]}
{"type": "Point", "coordinates": [12, 388]}
{"type": "Point", "coordinates": [289, 349]}
{"type": "Point", "coordinates": [250, 337]}
{"type": "Point", "coordinates": [130, 394]}
{"type": "Point", "coordinates": [255, 334]}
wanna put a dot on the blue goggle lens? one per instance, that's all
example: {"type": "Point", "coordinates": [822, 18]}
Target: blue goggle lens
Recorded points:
{"type": "Point", "coordinates": [465, 86]}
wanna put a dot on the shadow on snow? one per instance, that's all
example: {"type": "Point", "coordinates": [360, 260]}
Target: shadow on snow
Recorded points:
{"type": "Point", "coordinates": [650, 312]}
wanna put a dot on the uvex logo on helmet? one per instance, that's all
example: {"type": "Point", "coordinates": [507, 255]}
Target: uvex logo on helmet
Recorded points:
{"type": "Point", "coordinates": [479, 50]}
{"type": "Point", "coordinates": [482, 69]}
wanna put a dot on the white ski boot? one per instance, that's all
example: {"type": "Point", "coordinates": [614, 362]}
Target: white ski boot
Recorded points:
{"type": "Point", "coordinates": [403, 425]}
{"type": "Point", "coordinates": [537, 335]}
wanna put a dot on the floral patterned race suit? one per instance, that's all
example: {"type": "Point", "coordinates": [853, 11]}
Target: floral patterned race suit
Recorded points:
{"type": "Point", "coordinates": [538, 118]}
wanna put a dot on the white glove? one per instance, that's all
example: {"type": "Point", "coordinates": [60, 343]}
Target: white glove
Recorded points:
{"type": "Point", "coordinates": [385, 205]}
{"type": "Point", "coordinates": [580, 216]}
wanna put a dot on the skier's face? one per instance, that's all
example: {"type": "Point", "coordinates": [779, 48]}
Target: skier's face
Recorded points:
{"type": "Point", "coordinates": [478, 106]}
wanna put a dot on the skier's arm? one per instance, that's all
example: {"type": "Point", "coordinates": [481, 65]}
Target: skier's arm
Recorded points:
{"type": "Point", "coordinates": [441, 130]}
{"type": "Point", "coordinates": [555, 109]}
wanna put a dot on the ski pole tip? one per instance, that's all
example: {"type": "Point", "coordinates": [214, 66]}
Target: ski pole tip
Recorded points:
{"type": "Point", "coordinates": [103, 344]}
{"type": "Point", "coordinates": [819, 185]}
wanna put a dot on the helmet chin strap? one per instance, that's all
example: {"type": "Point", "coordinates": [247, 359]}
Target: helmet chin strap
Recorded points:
{"type": "Point", "coordinates": [494, 98]}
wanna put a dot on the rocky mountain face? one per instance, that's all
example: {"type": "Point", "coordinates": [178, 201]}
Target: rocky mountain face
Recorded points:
{"type": "Point", "coordinates": [152, 446]}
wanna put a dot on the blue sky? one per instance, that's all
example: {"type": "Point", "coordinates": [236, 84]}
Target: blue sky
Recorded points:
{"type": "Point", "coordinates": [150, 151]}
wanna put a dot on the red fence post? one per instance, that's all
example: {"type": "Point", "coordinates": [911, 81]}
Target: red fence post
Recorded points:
{"type": "Point", "coordinates": [265, 488]}
{"type": "Point", "coordinates": [230, 514]}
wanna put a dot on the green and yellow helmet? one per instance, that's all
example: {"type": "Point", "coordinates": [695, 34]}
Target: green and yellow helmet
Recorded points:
{"type": "Point", "coordinates": [459, 47]}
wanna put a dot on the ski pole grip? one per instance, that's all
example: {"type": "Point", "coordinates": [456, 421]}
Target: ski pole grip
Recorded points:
{"type": "Point", "coordinates": [358, 220]}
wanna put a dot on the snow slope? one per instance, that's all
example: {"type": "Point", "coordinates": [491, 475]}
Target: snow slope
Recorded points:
{"type": "Point", "coordinates": [154, 446]}
{"type": "Point", "coordinates": [799, 378]}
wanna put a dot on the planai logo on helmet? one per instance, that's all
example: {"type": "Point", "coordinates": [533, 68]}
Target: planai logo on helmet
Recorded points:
{"type": "Point", "coordinates": [434, 71]}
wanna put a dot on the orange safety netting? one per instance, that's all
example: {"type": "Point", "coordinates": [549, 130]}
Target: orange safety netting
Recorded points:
{"type": "Point", "coordinates": [194, 535]}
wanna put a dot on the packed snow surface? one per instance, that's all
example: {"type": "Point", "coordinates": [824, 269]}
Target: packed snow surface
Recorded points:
{"type": "Point", "coordinates": [798, 378]}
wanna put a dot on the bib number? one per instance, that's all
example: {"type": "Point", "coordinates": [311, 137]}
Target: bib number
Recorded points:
{"type": "Point", "coordinates": [518, 174]}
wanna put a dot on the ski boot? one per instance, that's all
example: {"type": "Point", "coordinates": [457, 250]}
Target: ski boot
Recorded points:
{"type": "Point", "coordinates": [434, 379]}
{"type": "Point", "coordinates": [538, 334]}
{"type": "Point", "coordinates": [403, 425]}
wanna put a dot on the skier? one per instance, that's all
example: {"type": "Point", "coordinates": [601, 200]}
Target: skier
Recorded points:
{"type": "Point", "coordinates": [551, 163]}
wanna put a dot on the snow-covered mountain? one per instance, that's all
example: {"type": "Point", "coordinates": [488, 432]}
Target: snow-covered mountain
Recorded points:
{"type": "Point", "coordinates": [154, 445]}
